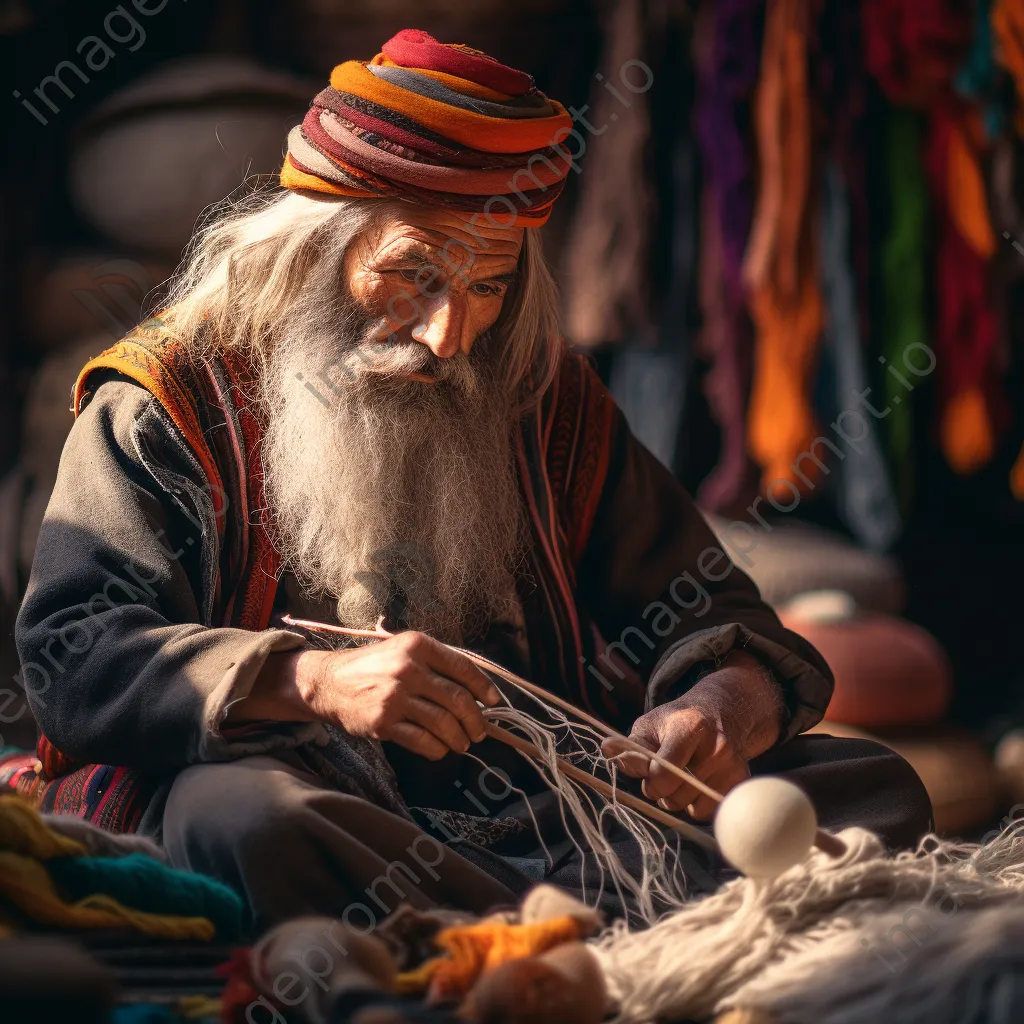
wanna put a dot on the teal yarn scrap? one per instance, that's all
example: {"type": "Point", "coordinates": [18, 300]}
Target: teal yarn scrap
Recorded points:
{"type": "Point", "coordinates": [154, 1013]}
{"type": "Point", "coordinates": [144, 1013]}
{"type": "Point", "coordinates": [145, 884]}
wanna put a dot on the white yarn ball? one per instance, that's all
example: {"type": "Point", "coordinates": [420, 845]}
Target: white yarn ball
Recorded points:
{"type": "Point", "coordinates": [764, 826]}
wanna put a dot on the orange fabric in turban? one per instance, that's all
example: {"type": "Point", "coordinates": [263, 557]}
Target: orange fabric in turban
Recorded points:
{"type": "Point", "coordinates": [434, 123]}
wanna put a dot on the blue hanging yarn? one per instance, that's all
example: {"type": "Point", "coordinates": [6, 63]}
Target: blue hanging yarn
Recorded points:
{"type": "Point", "coordinates": [145, 884]}
{"type": "Point", "coordinates": [978, 74]}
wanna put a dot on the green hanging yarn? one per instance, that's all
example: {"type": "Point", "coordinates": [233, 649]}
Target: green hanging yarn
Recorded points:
{"type": "Point", "coordinates": [903, 283]}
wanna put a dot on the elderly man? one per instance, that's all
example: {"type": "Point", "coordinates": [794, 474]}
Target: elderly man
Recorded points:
{"type": "Point", "coordinates": [356, 405]}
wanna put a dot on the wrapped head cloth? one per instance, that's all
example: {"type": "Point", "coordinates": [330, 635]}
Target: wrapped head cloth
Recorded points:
{"type": "Point", "coordinates": [434, 123]}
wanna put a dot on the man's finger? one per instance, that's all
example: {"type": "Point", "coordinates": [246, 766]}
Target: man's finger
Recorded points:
{"type": "Point", "coordinates": [703, 807]}
{"type": "Point", "coordinates": [679, 747]}
{"type": "Point", "coordinates": [438, 721]}
{"type": "Point", "coordinates": [633, 764]}
{"type": "Point", "coordinates": [458, 667]}
{"type": "Point", "coordinates": [692, 801]}
{"type": "Point", "coordinates": [612, 746]}
{"type": "Point", "coordinates": [416, 739]}
{"type": "Point", "coordinates": [458, 700]}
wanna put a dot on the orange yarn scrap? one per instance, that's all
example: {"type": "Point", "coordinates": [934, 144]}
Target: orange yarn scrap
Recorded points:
{"type": "Point", "coordinates": [477, 949]}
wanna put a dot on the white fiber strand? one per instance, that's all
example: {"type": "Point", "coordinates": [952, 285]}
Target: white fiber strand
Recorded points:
{"type": "Point", "coordinates": [662, 882]}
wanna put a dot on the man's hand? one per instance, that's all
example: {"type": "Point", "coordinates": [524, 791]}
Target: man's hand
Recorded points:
{"type": "Point", "coordinates": [714, 729]}
{"type": "Point", "coordinates": [410, 689]}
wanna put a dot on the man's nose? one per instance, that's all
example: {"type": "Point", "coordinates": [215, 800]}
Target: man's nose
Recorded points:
{"type": "Point", "coordinates": [443, 329]}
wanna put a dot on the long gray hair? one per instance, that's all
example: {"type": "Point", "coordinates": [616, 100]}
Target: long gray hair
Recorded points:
{"type": "Point", "coordinates": [243, 272]}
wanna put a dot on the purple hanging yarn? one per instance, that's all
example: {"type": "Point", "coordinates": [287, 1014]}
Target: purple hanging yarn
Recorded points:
{"type": "Point", "coordinates": [724, 93]}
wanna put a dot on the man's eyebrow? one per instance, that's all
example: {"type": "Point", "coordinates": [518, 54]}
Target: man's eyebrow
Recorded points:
{"type": "Point", "coordinates": [418, 254]}
{"type": "Point", "coordinates": [415, 254]}
{"type": "Point", "coordinates": [508, 278]}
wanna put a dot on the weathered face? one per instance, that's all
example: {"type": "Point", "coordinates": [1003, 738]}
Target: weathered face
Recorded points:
{"type": "Point", "coordinates": [430, 276]}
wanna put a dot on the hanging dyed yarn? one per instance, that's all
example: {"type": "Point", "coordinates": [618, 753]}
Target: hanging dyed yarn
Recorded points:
{"type": "Point", "coordinates": [915, 50]}
{"type": "Point", "coordinates": [914, 47]}
{"type": "Point", "coordinates": [1008, 52]}
{"type": "Point", "coordinates": [1007, 20]}
{"type": "Point", "coordinates": [971, 408]}
{"type": "Point", "coordinates": [978, 78]}
{"type": "Point", "coordinates": [606, 288]}
{"type": "Point", "coordinates": [726, 57]}
{"type": "Point", "coordinates": [780, 266]}
{"type": "Point", "coordinates": [903, 322]}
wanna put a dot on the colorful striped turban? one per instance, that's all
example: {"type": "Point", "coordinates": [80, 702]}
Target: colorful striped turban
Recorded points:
{"type": "Point", "coordinates": [434, 123]}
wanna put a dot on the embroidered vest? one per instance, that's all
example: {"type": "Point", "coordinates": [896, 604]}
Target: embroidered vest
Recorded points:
{"type": "Point", "coordinates": [562, 448]}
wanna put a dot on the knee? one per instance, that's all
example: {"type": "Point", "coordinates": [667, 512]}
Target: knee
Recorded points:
{"type": "Point", "coordinates": [856, 781]}
{"type": "Point", "coordinates": [892, 774]}
{"type": "Point", "coordinates": [259, 827]}
{"type": "Point", "coordinates": [897, 797]}
{"type": "Point", "coordinates": [230, 814]}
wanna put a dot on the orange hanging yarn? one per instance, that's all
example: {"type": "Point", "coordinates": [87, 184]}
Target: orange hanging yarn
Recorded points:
{"type": "Point", "coordinates": [1017, 477]}
{"type": "Point", "coordinates": [1008, 33]}
{"type": "Point", "coordinates": [971, 402]}
{"type": "Point", "coordinates": [965, 186]}
{"type": "Point", "coordinates": [779, 266]}
{"type": "Point", "coordinates": [475, 950]}
{"type": "Point", "coordinates": [966, 429]}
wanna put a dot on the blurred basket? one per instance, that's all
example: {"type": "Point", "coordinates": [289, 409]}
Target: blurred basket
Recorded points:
{"type": "Point", "coordinates": [155, 155]}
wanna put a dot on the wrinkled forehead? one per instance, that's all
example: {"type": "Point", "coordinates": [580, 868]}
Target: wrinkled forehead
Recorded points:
{"type": "Point", "coordinates": [455, 240]}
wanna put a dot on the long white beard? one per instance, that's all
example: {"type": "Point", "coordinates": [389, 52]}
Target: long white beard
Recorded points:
{"type": "Point", "coordinates": [399, 498]}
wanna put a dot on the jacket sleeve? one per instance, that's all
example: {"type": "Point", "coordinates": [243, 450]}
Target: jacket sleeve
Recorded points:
{"type": "Point", "coordinates": [117, 663]}
{"type": "Point", "coordinates": [668, 599]}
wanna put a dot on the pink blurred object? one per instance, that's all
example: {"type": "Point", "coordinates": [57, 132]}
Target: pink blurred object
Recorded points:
{"type": "Point", "coordinates": [888, 671]}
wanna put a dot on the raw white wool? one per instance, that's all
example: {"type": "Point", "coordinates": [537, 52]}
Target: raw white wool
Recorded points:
{"type": "Point", "coordinates": [814, 943]}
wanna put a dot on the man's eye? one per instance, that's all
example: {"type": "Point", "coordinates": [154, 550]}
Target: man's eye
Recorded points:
{"type": "Point", "coordinates": [410, 273]}
{"type": "Point", "coordinates": [481, 288]}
